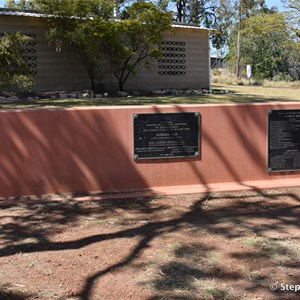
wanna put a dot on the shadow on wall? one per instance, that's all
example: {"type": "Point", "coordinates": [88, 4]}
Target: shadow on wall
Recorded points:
{"type": "Point", "coordinates": [46, 150]}
{"type": "Point", "coordinates": [91, 149]}
{"type": "Point", "coordinates": [64, 151]}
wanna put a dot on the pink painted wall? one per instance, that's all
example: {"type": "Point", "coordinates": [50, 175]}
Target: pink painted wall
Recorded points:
{"type": "Point", "coordinates": [91, 149]}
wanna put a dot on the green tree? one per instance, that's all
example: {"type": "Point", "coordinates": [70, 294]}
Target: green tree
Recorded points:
{"type": "Point", "coordinates": [222, 23]}
{"type": "Point", "coordinates": [245, 9]}
{"type": "Point", "coordinates": [22, 4]}
{"type": "Point", "coordinates": [135, 39]}
{"type": "Point", "coordinates": [268, 47]}
{"type": "Point", "coordinates": [88, 29]}
{"type": "Point", "coordinates": [293, 15]}
{"type": "Point", "coordinates": [293, 4]}
{"type": "Point", "coordinates": [75, 28]}
{"type": "Point", "coordinates": [162, 4]}
{"type": "Point", "coordinates": [120, 5]}
{"type": "Point", "coordinates": [215, 14]}
{"type": "Point", "coordinates": [200, 12]}
{"type": "Point", "coordinates": [14, 70]}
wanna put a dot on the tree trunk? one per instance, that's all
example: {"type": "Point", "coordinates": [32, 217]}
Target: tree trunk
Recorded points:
{"type": "Point", "coordinates": [238, 55]}
{"type": "Point", "coordinates": [92, 83]}
{"type": "Point", "coordinates": [121, 83]}
{"type": "Point", "coordinates": [239, 43]}
{"type": "Point", "coordinates": [181, 10]}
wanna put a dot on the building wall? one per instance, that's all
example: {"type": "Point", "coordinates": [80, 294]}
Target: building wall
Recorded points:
{"type": "Point", "coordinates": [39, 154]}
{"type": "Point", "coordinates": [196, 63]}
{"type": "Point", "coordinates": [55, 70]}
{"type": "Point", "coordinates": [64, 70]}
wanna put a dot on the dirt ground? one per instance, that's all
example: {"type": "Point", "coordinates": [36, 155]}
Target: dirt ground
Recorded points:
{"type": "Point", "coordinates": [215, 246]}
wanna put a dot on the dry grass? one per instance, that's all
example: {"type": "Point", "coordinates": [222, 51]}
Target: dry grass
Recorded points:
{"type": "Point", "coordinates": [255, 91]}
{"type": "Point", "coordinates": [263, 93]}
{"type": "Point", "coordinates": [225, 77]}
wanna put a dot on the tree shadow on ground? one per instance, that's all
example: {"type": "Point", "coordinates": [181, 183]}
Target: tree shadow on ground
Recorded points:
{"type": "Point", "coordinates": [228, 217]}
{"type": "Point", "coordinates": [8, 293]}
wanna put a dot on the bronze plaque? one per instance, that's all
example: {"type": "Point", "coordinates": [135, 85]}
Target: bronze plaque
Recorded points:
{"type": "Point", "coordinates": [284, 140]}
{"type": "Point", "coordinates": [166, 135]}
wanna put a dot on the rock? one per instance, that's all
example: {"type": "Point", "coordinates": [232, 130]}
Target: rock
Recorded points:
{"type": "Point", "coordinates": [190, 92]}
{"type": "Point", "coordinates": [158, 92]}
{"type": "Point", "coordinates": [220, 92]}
{"type": "Point", "coordinates": [136, 93]}
{"type": "Point", "coordinates": [98, 96]}
{"type": "Point", "coordinates": [30, 98]}
{"type": "Point", "coordinates": [85, 95]}
{"type": "Point", "coordinates": [198, 92]}
{"type": "Point", "coordinates": [122, 94]}
{"type": "Point", "coordinates": [72, 95]}
{"type": "Point", "coordinates": [12, 98]}
{"type": "Point", "coordinates": [105, 94]}
{"type": "Point", "coordinates": [63, 95]}
{"type": "Point", "coordinates": [2, 98]}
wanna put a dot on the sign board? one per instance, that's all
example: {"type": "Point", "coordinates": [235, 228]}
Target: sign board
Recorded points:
{"type": "Point", "coordinates": [166, 135]}
{"type": "Point", "coordinates": [249, 71]}
{"type": "Point", "coordinates": [284, 140]}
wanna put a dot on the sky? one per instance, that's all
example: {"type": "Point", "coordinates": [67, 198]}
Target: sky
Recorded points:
{"type": "Point", "coordinates": [270, 3]}
{"type": "Point", "coordinates": [277, 3]}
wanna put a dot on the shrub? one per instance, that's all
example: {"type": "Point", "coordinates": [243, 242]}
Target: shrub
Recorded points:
{"type": "Point", "coordinates": [14, 70]}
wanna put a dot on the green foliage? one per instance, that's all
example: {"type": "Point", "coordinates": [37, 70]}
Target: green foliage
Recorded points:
{"type": "Point", "coordinates": [77, 28]}
{"type": "Point", "coordinates": [162, 4]}
{"type": "Point", "coordinates": [293, 15]}
{"type": "Point", "coordinates": [78, 9]}
{"type": "Point", "coordinates": [293, 4]}
{"type": "Point", "coordinates": [251, 8]}
{"type": "Point", "coordinates": [223, 20]}
{"type": "Point", "coordinates": [267, 45]}
{"type": "Point", "coordinates": [22, 4]}
{"type": "Point", "coordinates": [135, 39]}
{"type": "Point", "coordinates": [14, 70]}
{"type": "Point", "coordinates": [87, 28]}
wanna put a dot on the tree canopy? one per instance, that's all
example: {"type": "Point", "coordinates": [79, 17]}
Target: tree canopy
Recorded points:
{"type": "Point", "coordinates": [89, 29]}
{"type": "Point", "coordinates": [75, 29]}
{"type": "Point", "coordinates": [22, 4]}
{"type": "Point", "coordinates": [134, 39]}
{"type": "Point", "coordinates": [268, 47]}
{"type": "Point", "coordinates": [267, 43]}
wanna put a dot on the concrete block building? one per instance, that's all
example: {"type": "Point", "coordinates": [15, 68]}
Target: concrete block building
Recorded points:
{"type": "Point", "coordinates": [185, 62]}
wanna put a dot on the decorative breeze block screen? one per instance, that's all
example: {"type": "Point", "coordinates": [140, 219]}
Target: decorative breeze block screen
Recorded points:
{"type": "Point", "coordinates": [173, 58]}
{"type": "Point", "coordinates": [30, 53]}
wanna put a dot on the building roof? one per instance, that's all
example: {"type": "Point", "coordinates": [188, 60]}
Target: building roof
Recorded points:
{"type": "Point", "coordinates": [191, 26]}
{"type": "Point", "coordinates": [39, 14]}
{"type": "Point", "coordinates": [21, 13]}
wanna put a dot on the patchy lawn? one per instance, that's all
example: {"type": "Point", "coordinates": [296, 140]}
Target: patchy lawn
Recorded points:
{"type": "Point", "coordinates": [234, 94]}
{"type": "Point", "coordinates": [213, 246]}
{"type": "Point", "coordinates": [265, 93]}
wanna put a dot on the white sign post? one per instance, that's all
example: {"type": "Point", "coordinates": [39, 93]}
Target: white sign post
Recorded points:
{"type": "Point", "coordinates": [249, 72]}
